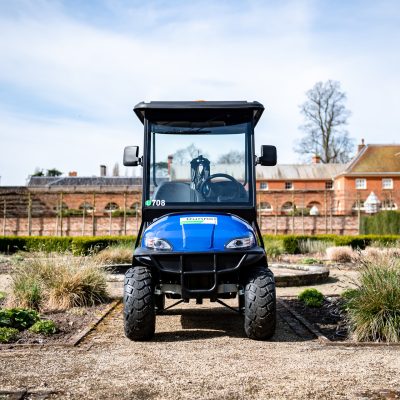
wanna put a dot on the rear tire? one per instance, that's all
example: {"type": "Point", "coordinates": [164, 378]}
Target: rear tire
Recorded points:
{"type": "Point", "coordinates": [260, 304]}
{"type": "Point", "coordinates": [139, 313]}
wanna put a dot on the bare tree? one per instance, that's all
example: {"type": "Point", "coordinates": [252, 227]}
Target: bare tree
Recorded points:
{"type": "Point", "coordinates": [184, 156]}
{"type": "Point", "coordinates": [325, 120]}
{"type": "Point", "coordinates": [233, 157]}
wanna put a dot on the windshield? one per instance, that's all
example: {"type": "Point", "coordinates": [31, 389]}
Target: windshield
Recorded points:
{"type": "Point", "coordinates": [198, 163]}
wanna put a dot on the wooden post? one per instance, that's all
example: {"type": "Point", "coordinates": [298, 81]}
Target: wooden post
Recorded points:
{"type": "Point", "coordinates": [359, 211]}
{"type": "Point", "coordinates": [293, 211]}
{"type": "Point", "coordinates": [330, 212]}
{"type": "Point", "coordinates": [276, 215]}
{"type": "Point", "coordinates": [326, 211]}
{"type": "Point", "coordinates": [83, 217]}
{"type": "Point", "coordinates": [110, 228]}
{"type": "Point", "coordinates": [302, 214]}
{"type": "Point", "coordinates": [4, 217]}
{"type": "Point", "coordinates": [29, 214]}
{"type": "Point", "coordinates": [61, 214]}
{"type": "Point", "coordinates": [93, 217]}
{"type": "Point", "coordinates": [57, 211]}
{"type": "Point", "coordinates": [125, 213]}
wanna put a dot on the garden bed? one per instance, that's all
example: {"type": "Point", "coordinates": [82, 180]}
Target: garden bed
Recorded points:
{"type": "Point", "coordinates": [72, 326]}
{"type": "Point", "coordinates": [328, 319]}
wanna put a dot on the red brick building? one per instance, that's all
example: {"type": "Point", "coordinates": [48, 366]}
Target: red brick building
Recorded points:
{"type": "Point", "coordinates": [334, 194]}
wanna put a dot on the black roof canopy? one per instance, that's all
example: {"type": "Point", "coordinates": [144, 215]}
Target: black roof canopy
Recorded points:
{"type": "Point", "coordinates": [199, 110]}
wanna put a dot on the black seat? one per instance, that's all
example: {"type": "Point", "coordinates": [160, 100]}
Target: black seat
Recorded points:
{"type": "Point", "coordinates": [174, 192]}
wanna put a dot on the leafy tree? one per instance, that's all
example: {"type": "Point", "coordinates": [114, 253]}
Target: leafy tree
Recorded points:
{"type": "Point", "coordinates": [53, 172]}
{"type": "Point", "coordinates": [38, 172]}
{"type": "Point", "coordinates": [325, 119]}
{"type": "Point", "coordinates": [233, 157]}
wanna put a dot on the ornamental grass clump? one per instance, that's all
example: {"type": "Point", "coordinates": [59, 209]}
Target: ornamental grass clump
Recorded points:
{"type": "Point", "coordinates": [274, 248]}
{"type": "Point", "coordinates": [115, 254]}
{"type": "Point", "coordinates": [373, 308]}
{"type": "Point", "coordinates": [341, 254]}
{"type": "Point", "coordinates": [58, 282]}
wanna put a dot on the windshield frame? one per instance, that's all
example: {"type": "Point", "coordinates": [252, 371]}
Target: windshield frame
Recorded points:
{"type": "Point", "coordinates": [195, 206]}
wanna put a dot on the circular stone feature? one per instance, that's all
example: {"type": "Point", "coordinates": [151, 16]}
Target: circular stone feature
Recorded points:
{"type": "Point", "coordinates": [298, 275]}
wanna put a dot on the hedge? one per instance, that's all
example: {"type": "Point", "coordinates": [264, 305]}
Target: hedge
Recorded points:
{"type": "Point", "coordinates": [291, 242]}
{"type": "Point", "coordinates": [78, 245]}
{"type": "Point", "coordinates": [383, 223]}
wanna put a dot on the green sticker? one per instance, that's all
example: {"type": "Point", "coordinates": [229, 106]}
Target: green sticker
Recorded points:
{"type": "Point", "coordinates": [148, 203]}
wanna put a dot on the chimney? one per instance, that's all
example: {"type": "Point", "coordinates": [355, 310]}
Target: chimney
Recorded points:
{"type": "Point", "coordinates": [170, 159]}
{"type": "Point", "coordinates": [72, 173]}
{"type": "Point", "coordinates": [103, 170]}
{"type": "Point", "coordinates": [361, 146]}
{"type": "Point", "coordinates": [316, 159]}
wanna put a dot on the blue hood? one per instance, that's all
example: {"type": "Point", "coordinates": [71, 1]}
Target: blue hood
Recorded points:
{"type": "Point", "coordinates": [198, 232]}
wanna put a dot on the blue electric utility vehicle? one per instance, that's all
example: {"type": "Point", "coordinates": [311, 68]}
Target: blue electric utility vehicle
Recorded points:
{"type": "Point", "coordinates": [199, 236]}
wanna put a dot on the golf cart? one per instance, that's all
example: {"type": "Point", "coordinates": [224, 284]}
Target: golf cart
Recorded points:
{"type": "Point", "coordinates": [199, 237]}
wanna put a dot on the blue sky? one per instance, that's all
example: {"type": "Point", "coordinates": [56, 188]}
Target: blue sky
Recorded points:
{"type": "Point", "coordinates": [71, 71]}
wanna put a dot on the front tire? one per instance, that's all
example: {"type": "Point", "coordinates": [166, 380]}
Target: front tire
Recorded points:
{"type": "Point", "coordinates": [139, 313]}
{"type": "Point", "coordinates": [260, 304]}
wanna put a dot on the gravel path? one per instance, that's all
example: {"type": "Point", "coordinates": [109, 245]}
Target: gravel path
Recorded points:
{"type": "Point", "coordinates": [199, 352]}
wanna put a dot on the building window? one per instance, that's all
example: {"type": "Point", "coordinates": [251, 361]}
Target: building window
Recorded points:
{"type": "Point", "coordinates": [361, 183]}
{"type": "Point", "coordinates": [388, 205]}
{"type": "Point", "coordinates": [111, 207]}
{"type": "Point", "coordinates": [387, 183]}
{"type": "Point", "coordinates": [358, 205]}
{"type": "Point", "coordinates": [288, 185]}
{"type": "Point", "coordinates": [86, 206]}
{"type": "Point", "coordinates": [288, 207]}
{"type": "Point", "coordinates": [265, 206]}
{"type": "Point", "coordinates": [264, 185]}
{"type": "Point", "coordinates": [329, 185]}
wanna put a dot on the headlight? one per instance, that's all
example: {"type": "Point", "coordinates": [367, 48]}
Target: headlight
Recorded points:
{"type": "Point", "coordinates": [157, 244]}
{"type": "Point", "coordinates": [241, 243]}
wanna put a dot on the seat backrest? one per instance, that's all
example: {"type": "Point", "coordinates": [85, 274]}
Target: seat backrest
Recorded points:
{"type": "Point", "coordinates": [173, 192]}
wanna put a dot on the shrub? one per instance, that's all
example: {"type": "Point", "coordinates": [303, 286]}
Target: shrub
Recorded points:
{"type": "Point", "coordinates": [63, 281]}
{"type": "Point", "coordinates": [311, 297]}
{"type": "Point", "coordinates": [374, 307]}
{"type": "Point", "coordinates": [18, 318]}
{"type": "Point", "coordinates": [2, 295]}
{"type": "Point", "coordinates": [116, 254]}
{"type": "Point", "coordinates": [45, 327]}
{"type": "Point", "coordinates": [274, 248]}
{"type": "Point", "coordinates": [340, 254]}
{"type": "Point", "coordinates": [8, 335]}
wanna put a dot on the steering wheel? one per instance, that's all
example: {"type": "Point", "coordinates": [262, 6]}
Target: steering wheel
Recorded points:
{"type": "Point", "coordinates": [207, 191]}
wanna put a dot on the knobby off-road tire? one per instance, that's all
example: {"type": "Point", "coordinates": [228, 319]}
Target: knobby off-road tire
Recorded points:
{"type": "Point", "coordinates": [260, 304]}
{"type": "Point", "coordinates": [139, 313]}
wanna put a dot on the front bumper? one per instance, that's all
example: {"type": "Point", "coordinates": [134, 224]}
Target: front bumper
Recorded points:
{"type": "Point", "coordinates": [199, 273]}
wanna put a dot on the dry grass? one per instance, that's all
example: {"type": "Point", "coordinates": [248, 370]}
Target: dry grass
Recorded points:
{"type": "Point", "coordinates": [54, 281]}
{"type": "Point", "coordinates": [341, 254]}
{"type": "Point", "coordinates": [118, 254]}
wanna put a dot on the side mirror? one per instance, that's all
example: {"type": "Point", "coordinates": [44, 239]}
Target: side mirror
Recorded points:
{"type": "Point", "coordinates": [131, 156]}
{"type": "Point", "coordinates": [268, 156]}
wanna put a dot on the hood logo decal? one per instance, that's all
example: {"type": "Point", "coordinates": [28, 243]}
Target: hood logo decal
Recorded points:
{"type": "Point", "coordinates": [198, 220]}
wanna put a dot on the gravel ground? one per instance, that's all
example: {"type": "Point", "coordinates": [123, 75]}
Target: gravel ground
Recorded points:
{"type": "Point", "coordinates": [199, 352]}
